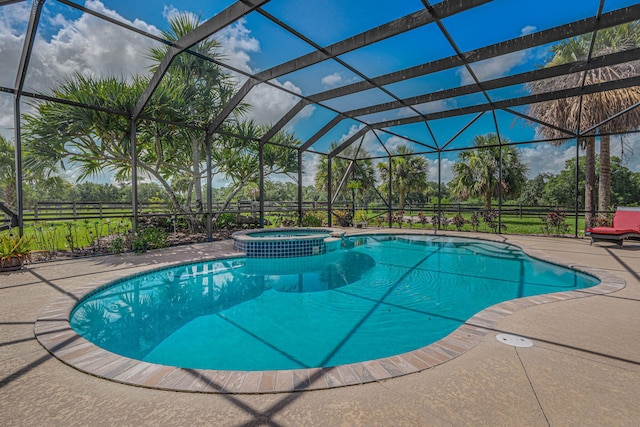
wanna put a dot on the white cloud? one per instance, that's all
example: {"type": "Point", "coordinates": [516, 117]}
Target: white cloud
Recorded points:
{"type": "Point", "coordinates": [90, 45]}
{"type": "Point", "coordinates": [331, 80]}
{"type": "Point", "coordinates": [446, 169]}
{"type": "Point", "coordinates": [269, 104]}
{"type": "Point", "coordinates": [494, 67]}
{"type": "Point", "coordinates": [501, 65]}
{"type": "Point", "coordinates": [171, 11]}
{"type": "Point", "coordinates": [627, 149]}
{"type": "Point", "coordinates": [310, 166]}
{"type": "Point", "coordinates": [237, 44]}
{"type": "Point", "coordinates": [86, 45]}
{"type": "Point", "coordinates": [306, 112]}
{"type": "Point", "coordinates": [6, 117]}
{"type": "Point", "coordinates": [373, 147]}
{"type": "Point", "coordinates": [352, 131]}
{"type": "Point", "coordinates": [428, 107]}
{"type": "Point", "coordinates": [393, 143]}
{"type": "Point", "coordinates": [13, 21]}
{"type": "Point", "coordinates": [546, 158]}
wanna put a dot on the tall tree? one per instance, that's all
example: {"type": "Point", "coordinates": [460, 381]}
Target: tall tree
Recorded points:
{"type": "Point", "coordinates": [533, 190]}
{"type": "Point", "coordinates": [559, 189]}
{"type": "Point", "coordinates": [361, 177]}
{"type": "Point", "coordinates": [237, 157]}
{"type": "Point", "coordinates": [595, 109]}
{"type": "Point", "coordinates": [625, 184]}
{"type": "Point", "coordinates": [408, 173]}
{"type": "Point", "coordinates": [204, 91]}
{"type": "Point", "coordinates": [94, 140]}
{"type": "Point", "coordinates": [97, 140]}
{"type": "Point", "coordinates": [7, 173]}
{"type": "Point", "coordinates": [477, 172]}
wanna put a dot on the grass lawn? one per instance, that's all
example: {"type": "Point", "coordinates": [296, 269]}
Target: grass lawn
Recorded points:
{"type": "Point", "coordinates": [512, 224]}
{"type": "Point", "coordinates": [52, 235]}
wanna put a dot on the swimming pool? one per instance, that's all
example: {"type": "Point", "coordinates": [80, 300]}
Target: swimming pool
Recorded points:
{"type": "Point", "coordinates": [379, 296]}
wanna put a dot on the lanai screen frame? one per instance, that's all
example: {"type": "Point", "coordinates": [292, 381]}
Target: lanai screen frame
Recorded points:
{"type": "Point", "coordinates": [431, 14]}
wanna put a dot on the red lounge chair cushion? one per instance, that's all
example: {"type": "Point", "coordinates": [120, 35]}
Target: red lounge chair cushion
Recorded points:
{"type": "Point", "coordinates": [627, 220]}
{"type": "Point", "coordinates": [611, 230]}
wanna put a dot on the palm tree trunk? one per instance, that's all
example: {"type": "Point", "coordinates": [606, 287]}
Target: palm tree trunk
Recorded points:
{"type": "Point", "coordinates": [191, 221]}
{"type": "Point", "coordinates": [604, 186]}
{"type": "Point", "coordinates": [196, 174]}
{"type": "Point", "coordinates": [487, 200]}
{"type": "Point", "coordinates": [10, 193]}
{"type": "Point", "coordinates": [590, 181]}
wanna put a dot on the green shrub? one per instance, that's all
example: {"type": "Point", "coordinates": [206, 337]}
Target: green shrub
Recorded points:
{"type": "Point", "coordinates": [601, 220]}
{"type": "Point", "coordinates": [458, 221]}
{"type": "Point", "coordinates": [398, 217]}
{"type": "Point", "coordinates": [164, 222]}
{"type": "Point", "coordinates": [287, 219]}
{"type": "Point", "coordinates": [312, 219]}
{"type": "Point", "coordinates": [475, 220]}
{"type": "Point", "coordinates": [361, 217]}
{"type": "Point", "coordinates": [343, 218]}
{"type": "Point", "coordinates": [378, 220]}
{"type": "Point", "coordinates": [422, 219]}
{"type": "Point", "coordinates": [554, 222]}
{"type": "Point", "coordinates": [150, 238]}
{"type": "Point", "coordinates": [435, 220]}
{"type": "Point", "coordinates": [117, 245]}
{"type": "Point", "coordinates": [491, 219]}
{"type": "Point", "coordinates": [14, 247]}
{"type": "Point", "coordinates": [226, 221]}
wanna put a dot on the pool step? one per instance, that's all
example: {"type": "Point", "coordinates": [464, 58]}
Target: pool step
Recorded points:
{"type": "Point", "coordinates": [332, 243]}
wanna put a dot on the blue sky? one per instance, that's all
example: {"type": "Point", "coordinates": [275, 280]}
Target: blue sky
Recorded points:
{"type": "Point", "coordinates": [69, 41]}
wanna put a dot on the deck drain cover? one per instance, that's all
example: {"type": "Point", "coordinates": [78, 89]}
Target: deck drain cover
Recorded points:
{"type": "Point", "coordinates": [514, 340]}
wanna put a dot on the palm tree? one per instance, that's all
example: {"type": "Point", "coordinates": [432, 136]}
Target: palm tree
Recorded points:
{"type": "Point", "coordinates": [408, 173]}
{"type": "Point", "coordinates": [192, 91]}
{"type": "Point", "coordinates": [596, 108]}
{"type": "Point", "coordinates": [7, 173]}
{"type": "Point", "coordinates": [204, 90]}
{"type": "Point", "coordinates": [477, 173]}
{"type": "Point", "coordinates": [56, 134]}
{"type": "Point", "coordinates": [362, 177]}
{"type": "Point", "coordinates": [59, 134]}
{"type": "Point", "coordinates": [237, 158]}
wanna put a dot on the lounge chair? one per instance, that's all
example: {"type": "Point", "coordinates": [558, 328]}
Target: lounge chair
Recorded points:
{"type": "Point", "coordinates": [625, 225]}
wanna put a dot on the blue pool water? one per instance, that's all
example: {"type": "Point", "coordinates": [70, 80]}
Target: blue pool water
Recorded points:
{"type": "Point", "coordinates": [378, 296]}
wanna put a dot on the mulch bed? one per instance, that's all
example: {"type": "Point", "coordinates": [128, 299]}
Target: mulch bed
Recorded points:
{"type": "Point", "coordinates": [102, 246]}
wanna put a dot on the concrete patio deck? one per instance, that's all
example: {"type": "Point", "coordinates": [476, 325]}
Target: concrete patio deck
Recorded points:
{"type": "Point", "coordinates": [583, 369]}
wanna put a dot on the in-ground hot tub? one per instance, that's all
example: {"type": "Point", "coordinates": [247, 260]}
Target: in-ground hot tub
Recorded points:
{"type": "Point", "coordinates": [286, 242]}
